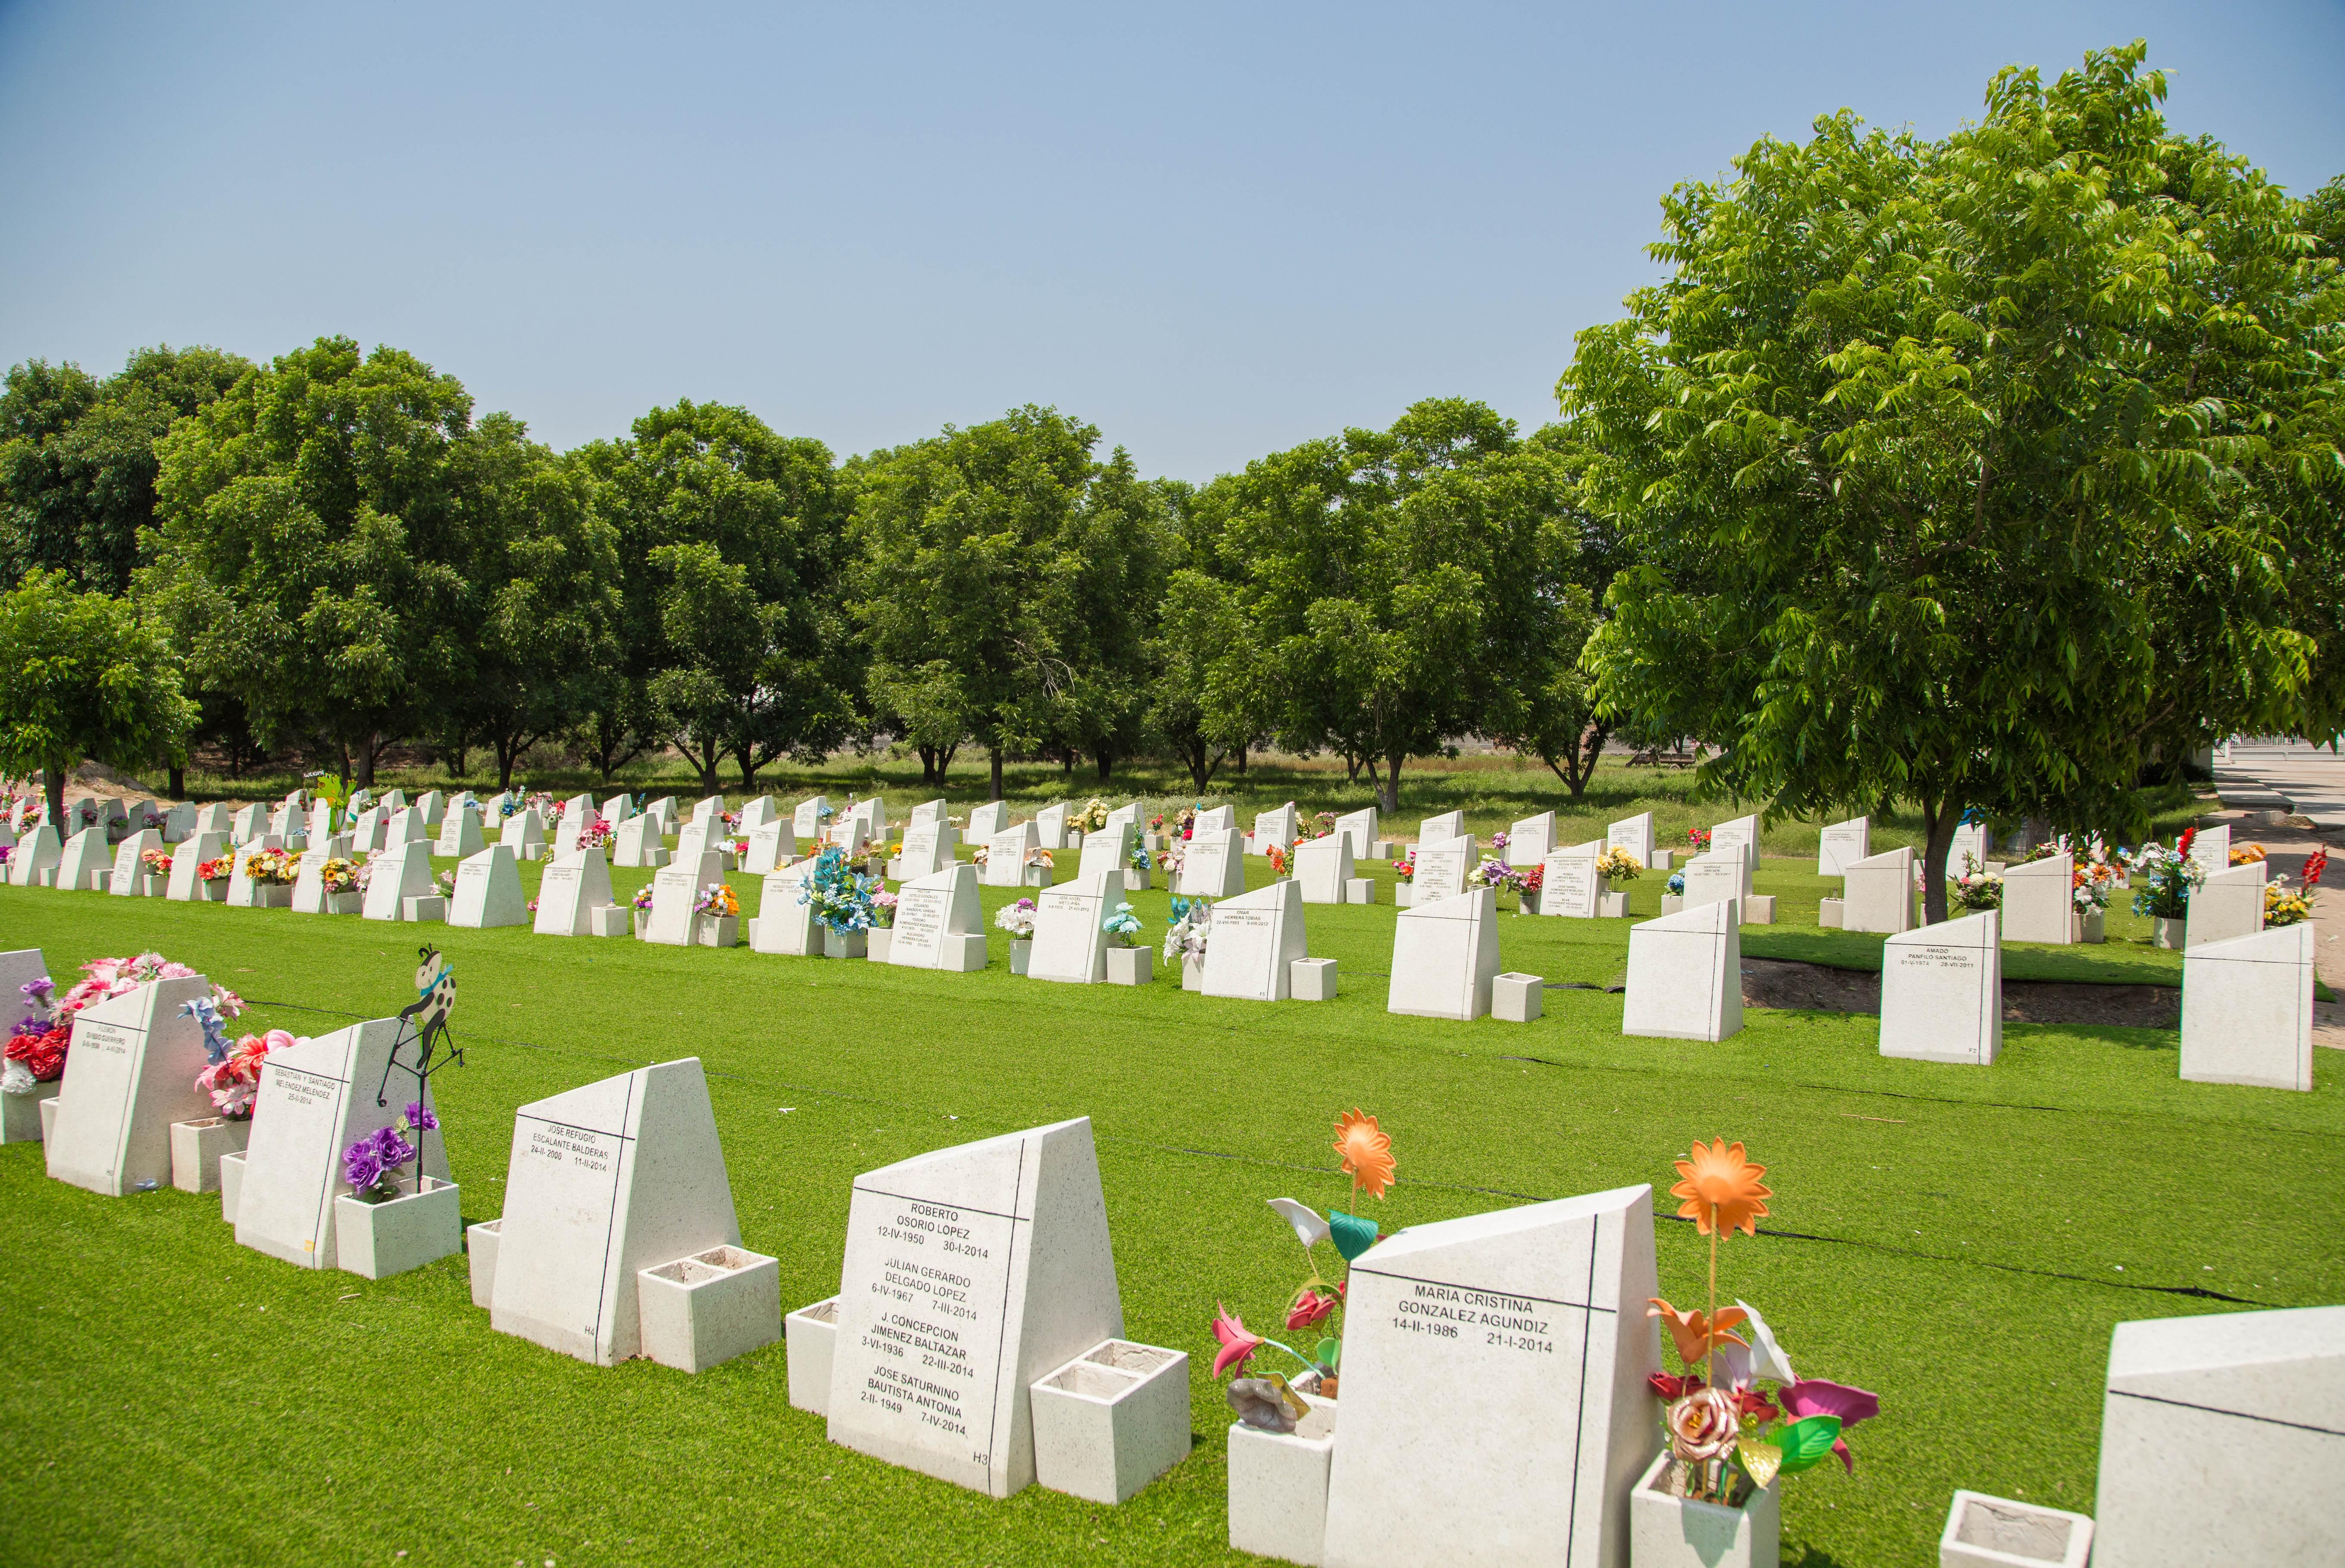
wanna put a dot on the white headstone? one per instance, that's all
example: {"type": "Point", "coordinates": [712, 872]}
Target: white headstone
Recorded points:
{"type": "Point", "coordinates": [1274, 828]}
{"type": "Point", "coordinates": [758, 812]}
{"type": "Point", "coordinates": [130, 1073]}
{"type": "Point", "coordinates": [251, 822]}
{"type": "Point", "coordinates": [985, 821]}
{"type": "Point", "coordinates": [1941, 993]}
{"type": "Point", "coordinates": [928, 849]}
{"type": "Point", "coordinates": [1878, 893]}
{"type": "Point", "coordinates": [674, 888]}
{"type": "Point", "coordinates": [1440, 829]}
{"type": "Point", "coordinates": [851, 835]}
{"type": "Point", "coordinates": [969, 1273]}
{"type": "Point", "coordinates": [178, 821]}
{"type": "Point", "coordinates": [1741, 833]}
{"type": "Point", "coordinates": [1255, 937]}
{"type": "Point", "coordinates": [1685, 975]}
{"type": "Point", "coordinates": [214, 818]}
{"type": "Point", "coordinates": [128, 876]}
{"type": "Point", "coordinates": [407, 827]}
{"type": "Point", "coordinates": [1005, 854]}
{"type": "Point", "coordinates": [187, 857]}
{"type": "Point", "coordinates": [394, 801]}
{"type": "Point", "coordinates": [2210, 850]}
{"type": "Point", "coordinates": [1441, 870]}
{"type": "Point", "coordinates": [1051, 827]}
{"type": "Point", "coordinates": [702, 836]}
{"type": "Point", "coordinates": [1130, 813]}
{"type": "Point", "coordinates": [460, 835]}
{"type": "Point", "coordinates": [873, 812]}
{"type": "Point", "coordinates": [1213, 819]}
{"type": "Point", "coordinates": [1569, 884]}
{"type": "Point", "coordinates": [619, 1176]}
{"type": "Point", "coordinates": [1843, 843]}
{"type": "Point", "coordinates": [315, 1100]}
{"type": "Point", "coordinates": [1714, 876]}
{"type": "Point", "coordinates": [487, 889]}
{"type": "Point", "coordinates": [434, 807]}
{"type": "Point", "coordinates": [86, 864]}
{"type": "Point", "coordinates": [2247, 1009]}
{"type": "Point", "coordinates": [1321, 868]}
{"type": "Point", "coordinates": [1529, 841]}
{"type": "Point", "coordinates": [619, 808]}
{"type": "Point", "coordinates": [577, 816]}
{"type": "Point", "coordinates": [1360, 827]}
{"type": "Point", "coordinates": [1069, 944]}
{"type": "Point", "coordinates": [285, 821]}
{"type": "Point", "coordinates": [2229, 903]}
{"type": "Point", "coordinates": [1497, 1364]}
{"type": "Point", "coordinates": [638, 838]}
{"type": "Point", "coordinates": [710, 808]}
{"type": "Point", "coordinates": [770, 844]}
{"type": "Point", "coordinates": [243, 891]}
{"type": "Point", "coordinates": [663, 809]}
{"type": "Point", "coordinates": [395, 874]}
{"type": "Point", "coordinates": [928, 911]}
{"type": "Point", "coordinates": [1445, 956]}
{"type": "Point", "coordinates": [1212, 866]}
{"type": "Point", "coordinates": [1970, 845]}
{"type": "Point", "coordinates": [1634, 834]}
{"type": "Point", "coordinates": [2219, 1441]}
{"type": "Point", "coordinates": [2039, 900]}
{"type": "Point", "coordinates": [308, 877]}
{"type": "Point", "coordinates": [783, 925]}
{"type": "Point", "coordinates": [1108, 853]}
{"type": "Point", "coordinates": [367, 829]}
{"type": "Point", "coordinates": [523, 834]}
{"type": "Point", "coordinates": [927, 812]}
{"type": "Point", "coordinates": [35, 851]}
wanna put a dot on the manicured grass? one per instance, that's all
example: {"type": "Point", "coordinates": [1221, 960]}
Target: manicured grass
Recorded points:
{"type": "Point", "coordinates": [1960, 1240]}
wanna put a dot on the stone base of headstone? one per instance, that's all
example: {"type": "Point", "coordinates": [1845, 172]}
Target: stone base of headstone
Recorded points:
{"type": "Point", "coordinates": [715, 931]}
{"type": "Point", "coordinates": [1671, 903]}
{"type": "Point", "coordinates": [1759, 909]}
{"type": "Point", "coordinates": [376, 1240]}
{"type": "Point", "coordinates": [231, 1180]}
{"type": "Point", "coordinates": [2093, 925]}
{"type": "Point", "coordinates": [349, 903]}
{"type": "Point", "coordinates": [1278, 1486]}
{"type": "Point", "coordinates": [964, 953]}
{"type": "Point", "coordinates": [2165, 934]}
{"type": "Point", "coordinates": [1985, 1532]}
{"type": "Point", "coordinates": [430, 906]}
{"type": "Point", "coordinates": [703, 1310]}
{"type": "Point", "coordinates": [812, 1332]}
{"type": "Point", "coordinates": [1666, 1531]}
{"type": "Point", "coordinates": [1138, 881]}
{"type": "Point", "coordinates": [1038, 874]}
{"type": "Point", "coordinates": [481, 1260]}
{"type": "Point", "coordinates": [1663, 860]}
{"type": "Point", "coordinates": [1828, 913]}
{"type": "Point", "coordinates": [1192, 971]}
{"type": "Point", "coordinates": [49, 1115]}
{"type": "Point", "coordinates": [196, 1148]}
{"type": "Point", "coordinates": [1611, 906]}
{"type": "Point", "coordinates": [1359, 890]}
{"type": "Point", "coordinates": [1131, 965]}
{"type": "Point", "coordinates": [22, 1117]}
{"type": "Point", "coordinates": [1308, 979]}
{"type": "Point", "coordinates": [1021, 953]}
{"type": "Point", "coordinates": [1403, 894]}
{"type": "Point", "coordinates": [878, 941]}
{"type": "Point", "coordinates": [1111, 1421]}
{"type": "Point", "coordinates": [152, 886]}
{"type": "Point", "coordinates": [1516, 997]}
{"type": "Point", "coordinates": [608, 920]}
{"type": "Point", "coordinates": [1383, 849]}
{"type": "Point", "coordinates": [845, 944]}
{"type": "Point", "coordinates": [272, 896]}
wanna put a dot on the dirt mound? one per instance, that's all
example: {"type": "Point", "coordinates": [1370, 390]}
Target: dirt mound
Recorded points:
{"type": "Point", "coordinates": [1788, 983]}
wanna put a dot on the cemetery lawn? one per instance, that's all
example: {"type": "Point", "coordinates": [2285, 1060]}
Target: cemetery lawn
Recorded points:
{"type": "Point", "coordinates": [1960, 1240]}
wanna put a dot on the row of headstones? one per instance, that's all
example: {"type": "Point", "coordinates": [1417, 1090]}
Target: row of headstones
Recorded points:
{"type": "Point", "coordinates": [978, 1332]}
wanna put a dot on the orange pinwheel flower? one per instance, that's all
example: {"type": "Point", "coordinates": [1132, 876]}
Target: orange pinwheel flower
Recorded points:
{"type": "Point", "coordinates": [1366, 1151]}
{"type": "Point", "coordinates": [1721, 1189]}
{"type": "Point", "coordinates": [1696, 1332]}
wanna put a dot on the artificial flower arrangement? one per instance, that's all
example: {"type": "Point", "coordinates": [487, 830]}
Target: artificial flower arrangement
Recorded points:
{"type": "Point", "coordinates": [643, 899]}
{"type": "Point", "coordinates": [447, 880]}
{"type": "Point", "coordinates": [1617, 866]}
{"type": "Point", "coordinates": [157, 861]}
{"type": "Point", "coordinates": [37, 1053]}
{"type": "Point", "coordinates": [1319, 825]}
{"type": "Point", "coordinates": [1280, 862]}
{"type": "Point", "coordinates": [1675, 885]}
{"type": "Point", "coordinates": [1406, 866]}
{"type": "Point", "coordinates": [336, 793]}
{"type": "Point", "coordinates": [1976, 889]}
{"type": "Point", "coordinates": [512, 806]}
{"type": "Point", "coordinates": [1268, 1402]}
{"type": "Point", "coordinates": [216, 869]}
{"type": "Point", "coordinates": [2286, 906]}
{"type": "Point", "coordinates": [233, 1077]}
{"type": "Point", "coordinates": [372, 1164]}
{"type": "Point", "coordinates": [883, 910]}
{"type": "Point", "coordinates": [1040, 857]}
{"type": "Point", "coordinates": [1122, 924]}
{"type": "Point", "coordinates": [2094, 881]}
{"type": "Point", "coordinates": [2168, 878]}
{"type": "Point", "coordinates": [1730, 1435]}
{"type": "Point", "coordinates": [1498, 842]}
{"type": "Point", "coordinates": [2247, 854]}
{"type": "Point", "coordinates": [840, 898]}
{"type": "Point", "coordinates": [271, 867]}
{"type": "Point", "coordinates": [1495, 875]}
{"type": "Point", "coordinates": [1140, 861]}
{"type": "Point", "coordinates": [602, 834]}
{"type": "Point", "coordinates": [339, 875]}
{"type": "Point", "coordinates": [2040, 852]}
{"type": "Point", "coordinates": [716, 899]}
{"type": "Point", "coordinates": [1018, 919]}
{"type": "Point", "coordinates": [1176, 857]}
{"type": "Point", "coordinates": [1186, 934]}
{"type": "Point", "coordinates": [1700, 838]}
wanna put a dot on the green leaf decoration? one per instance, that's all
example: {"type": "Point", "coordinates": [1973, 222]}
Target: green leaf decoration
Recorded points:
{"type": "Point", "coordinates": [1328, 1353]}
{"type": "Point", "coordinates": [1353, 1234]}
{"type": "Point", "coordinates": [1806, 1442]}
{"type": "Point", "coordinates": [1760, 1461]}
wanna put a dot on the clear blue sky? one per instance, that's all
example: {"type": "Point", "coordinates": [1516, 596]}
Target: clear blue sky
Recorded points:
{"type": "Point", "coordinates": [1211, 231]}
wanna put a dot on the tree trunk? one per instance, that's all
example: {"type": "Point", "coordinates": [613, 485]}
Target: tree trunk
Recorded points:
{"type": "Point", "coordinates": [1106, 760]}
{"type": "Point", "coordinates": [928, 764]}
{"type": "Point", "coordinates": [178, 781]}
{"type": "Point", "coordinates": [1388, 789]}
{"type": "Point", "coordinates": [1067, 764]}
{"type": "Point", "coordinates": [1940, 818]}
{"type": "Point", "coordinates": [1201, 770]}
{"type": "Point", "coordinates": [995, 767]}
{"type": "Point", "coordinates": [53, 790]}
{"type": "Point", "coordinates": [1241, 762]}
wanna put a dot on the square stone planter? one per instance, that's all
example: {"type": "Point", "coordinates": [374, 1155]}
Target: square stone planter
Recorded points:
{"type": "Point", "coordinates": [1516, 997]}
{"type": "Point", "coordinates": [812, 1333]}
{"type": "Point", "coordinates": [376, 1240]}
{"type": "Point", "coordinates": [1994, 1533]}
{"type": "Point", "coordinates": [424, 907]}
{"type": "Point", "coordinates": [1759, 909]}
{"type": "Point", "coordinates": [2166, 934]}
{"type": "Point", "coordinates": [894, 871]}
{"type": "Point", "coordinates": [481, 1258]}
{"type": "Point", "coordinates": [1038, 874]}
{"type": "Point", "coordinates": [2093, 925]}
{"type": "Point", "coordinates": [642, 922]}
{"type": "Point", "coordinates": [1612, 907]}
{"type": "Point", "coordinates": [1666, 1531]}
{"type": "Point", "coordinates": [214, 891]}
{"type": "Point", "coordinates": [1131, 965]}
{"type": "Point", "coordinates": [1404, 894]}
{"type": "Point", "coordinates": [20, 1115]}
{"type": "Point", "coordinates": [349, 903]}
{"type": "Point", "coordinates": [878, 941]}
{"type": "Point", "coordinates": [1278, 1486]}
{"type": "Point", "coordinates": [845, 944]}
{"type": "Point", "coordinates": [1663, 860]}
{"type": "Point", "coordinates": [1111, 1421]}
{"type": "Point", "coordinates": [704, 1309]}
{"type": "Point", "coordinates": [1830, 913]}
{"type": "Point", "coordinates": [231, 1185]}
{"type": "Point", "coordinates": [1138, 881]}
{"type": "Point", "coordinates": [608, 920]}
{"type": "Point", "coordinates": [1192, 971]}
{"type": "Point", "coordinates": [196, 1148]}
{"type": "Point", "coordinates": [715, 931]}
{"type": "Point", "coordinates": [1311, 979]}
{"type": "Point", "coordinates": [272, 896]}
{"type": "Point", "coordinates": [1359, 890]}
{"type": "Point", "coordinates": [1671, 903]}
{"type": "Point", "coordinates": [1021, 953]}
{"type": "Point", "coordinates": [49, 1115]}
{"type": "Point", "coordinates": [151, 886]}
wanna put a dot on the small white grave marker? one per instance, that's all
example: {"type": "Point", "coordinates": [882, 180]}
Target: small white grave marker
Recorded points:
{"type": "Point", "coordinates": [396, 874]}
{"type": "Point", "coordinates": [1322, 867]}
{"type": "Point", "coordinates": [487, 889]}
{"type": "Point", "coordinates": [1068, 943]}
{"type": "Point", "coordinates": [2229, 903]}
{"type": "Point", "coordinates": [1742, 834]}
{"type": "Point", "coordinates": [37, 852]}
{"type": "Point", "coordinates": [1879, 894]}
{"type": "Point", "coordinates": [1445, 956]}
{"type": "Point", "coordinates": [1941, 993]}
{"type": "Point", "coordinates": [938, 922]}
{"type": "Point", "coordinates": [985, 821]}
{"type": "Point", "coordinates": [1275, 828]}
{"type": "Point", "coordinates": [1685, 976]}
{"type": "Point", "coordinates": [928, 849]}
{"type": "Point", "coordinates": [1440, 872]}
{"type": "Point", "coordinates": [1529, 841]}
{"type": "Point", "coordinates": [2247, 1009]}
{"type": "Point", "coordinates": [86, 864]}
{"type": "Point", "coordinates": [1843, 843]}
{"type": "Point", "coordinates": [1216, 818]}
{"type": "Point", "coordinates": [1255, 939]}
{"type": "Point", "coordinates": [523, 834]}
{"type": "Point", "coordinates": [1440, 829]}
{"type": "Point", "coordinates": [771, 844]}
{"type": "Point", "coordinates": [1360, 827]}
{"type": "Point", "coordinates": [1050, 826]}
{"type": "Point", "coordinates": [1005, 854]}
{"type": "Point", "coordinates": [128, 877]}
{"type": "Point", "coordinates": [1108, 853]}
{"type": "Point", "coordinates": [2039, 900]}
{"type": "Point", "coordinates": [638, 844]}
{"type": "Point", "coordinates": [1634, 834]}
{"type": "Point", "coordinates": [190, 856]}
{"type": "Point", "coordinates": [460, 835]}
{"type": "Point", "coordinates": [2210, 850]}
{"type": "Point", "coordinates": [674, 888]}
{"type": "Point", "coordinates": [130, 1073]}
{"type": "Point", "coordinates": [1569, 884]}
{"type": "Point", "coordinates": [783, 925]}
{"type": "Point", "coordinates": [1715, 876]}
{"type": "Point", "coordinates": [1212, 866]}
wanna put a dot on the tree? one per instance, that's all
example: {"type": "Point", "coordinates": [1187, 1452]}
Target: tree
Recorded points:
{"type": "Point", "coordinates": [1113, 553]}
{"type": "Point", "coordinates": [81, 676]}
{"type": "Point", "coordinates": [1905, 462]}
{"type": "Point", "coordinates": [1208, 698]}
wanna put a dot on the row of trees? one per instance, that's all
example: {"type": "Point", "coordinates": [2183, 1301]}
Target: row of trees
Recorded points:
{"type": "Point", "coordinates": [1974, 473]}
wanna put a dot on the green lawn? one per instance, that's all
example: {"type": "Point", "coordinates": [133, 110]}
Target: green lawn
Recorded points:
{"type": "Point", "coordinates": [1960, 1240]}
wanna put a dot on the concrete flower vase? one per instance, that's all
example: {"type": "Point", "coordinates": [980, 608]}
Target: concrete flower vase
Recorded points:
{"type": "Point", "coordinates": [704, 1309]}
{"type": "Point", "coordinates": [196, 1148]}
{"type": "Point", "coordinates": [376, 1240]}
{"type": "Point", "coordinates": [643, 923]}
{"type": "Point", "coordinates": [231, 1185]}
{"type": "Point", "coordinates": [21, 1118]}
{"type": "Point", "coordinates": [1111, 1421]}
{"type": "Point", "coordinates": [1192, 971]}
{"type": "Point", "coordinates": [1985, 1532]}
{"type": "Point", "coordinates": [845, 944]}
{"type": "Point", "coordinates": [876, 941]}
{"type": "Point", "coordinates": [1278, 1486]}
{"type": "Point", "coordinates": [2166, 934]}
{"type": "Point", "coordinates": [480, 1256]}
{"type": "Point", "coordinates": [1612, 907]}
{"type": "Point", "coordinates": [1830, 912]}
{"type": "Point", "coordinates": [347, 903]}
{"type": "Point", "coordinates": [1404, 894]}
{"type": "Point", "coordinates": [1021, 953]}
{"type": "Point", "coordinates": [715, 930]}
{"type": "Point", "coordinates": [2093, 925]}
{"type": "Point", "coordinates": [1671, 903]}
{"type": "Point", "coordinates": [812, 1333]}
{"type": "Point", "coordinates": [1131, 965]}
{"type": "Point", "coordinates": [1670, 1532]}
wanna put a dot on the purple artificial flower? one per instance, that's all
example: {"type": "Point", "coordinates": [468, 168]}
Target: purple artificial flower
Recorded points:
{"type": "Point", "coordinates": [390, 1148]}
{"type": "Point", "coordinates": [360, 1165]}
{"type": "Point", "coordinates": [1814, 1396]}
{"type": "Point", "coordinates": [421, 1119]}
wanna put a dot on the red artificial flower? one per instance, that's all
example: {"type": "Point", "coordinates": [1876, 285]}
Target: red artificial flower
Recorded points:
{"type": "Point", "coordinates": [1237, 1344]}
{"type": "Point", "coordinates": [42, 1050]}
{"type": "Point", "coordinates": [1755, 1405]}
{"type": "Point", "coordinates": [1673, 1389]}
{"type": "Point", "coordinates": [1310, 1308]}
{"type": "Point", "coordinates": [2316, 865]}
{"type": "Point", "coordinates": [2182, 847]}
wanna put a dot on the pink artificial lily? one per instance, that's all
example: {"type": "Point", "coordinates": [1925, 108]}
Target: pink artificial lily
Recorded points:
{"type": "Point", "coordinates": [1814, 1396]}
{"type": "Point", "coordinates": [1237, 1344]}
{"type": "Point", "coordinates": [1309, 1310]}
